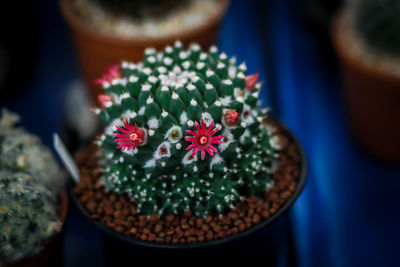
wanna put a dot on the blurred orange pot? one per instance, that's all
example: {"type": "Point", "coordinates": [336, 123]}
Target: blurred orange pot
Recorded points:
{"type": "Point", "coordinates": [97, 51]}
{"type": "Point", "coordinates": [373, 98]}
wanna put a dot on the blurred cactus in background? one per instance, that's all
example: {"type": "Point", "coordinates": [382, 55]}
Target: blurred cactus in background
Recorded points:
{"type": "Point", "coordinates": [28, 215]}
{"type": "Point", "coordinates": [184, 132]}
{"type": "Point", "coordinates": [378, 24]}
{"type": "Point", "coordinates": [29, 185]}
{"type": "Point", "coordinates": [22, 151]}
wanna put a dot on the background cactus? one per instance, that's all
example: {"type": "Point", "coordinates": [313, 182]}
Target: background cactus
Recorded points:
{"type": "Point", "coordinates": [378, 24]}
{"type": "Point", "coordinates": [29, 184]}
{"type": "Point", "coordinates": [22, 151]}
{"type": "Point", "coordinates": [183, 132]}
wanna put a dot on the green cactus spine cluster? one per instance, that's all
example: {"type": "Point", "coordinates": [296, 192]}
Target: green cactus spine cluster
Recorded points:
{"type": "Point", "coordinates": [179, 99]}
{"type": "Point", "coordinates": [378, 24]}
{"type": "Point", "coordinates": [29, 184]}
{"type": "Point", "coordinates": [28, 216]}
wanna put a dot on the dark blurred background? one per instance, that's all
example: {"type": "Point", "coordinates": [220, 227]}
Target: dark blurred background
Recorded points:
{"type": "Point", "coordinates": [348, 213]}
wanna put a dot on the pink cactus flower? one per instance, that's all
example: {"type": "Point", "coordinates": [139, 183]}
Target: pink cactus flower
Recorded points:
{"type": "Point", "coordinates": [251, 81]}
{"type": "Point", "coordinates": [203, 139]}
{"type": "Point", "coordinates": [130, 136]}
{"type": "Point", "coordinates": [110, 74]}
{"type": "Point", "coordinates": [103, 99]}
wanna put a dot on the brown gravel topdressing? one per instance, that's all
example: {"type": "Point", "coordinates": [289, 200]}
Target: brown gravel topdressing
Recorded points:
{"type": "Point", "coordinates": [119, 213]}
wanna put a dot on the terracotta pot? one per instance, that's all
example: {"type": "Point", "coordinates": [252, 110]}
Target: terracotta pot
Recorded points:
{"type": "Point", "coordinates": [50, 255]}
{"type": "Point", "coordinates": [97, 51]}
{"type": "Point", "coordinates": [372, 96]}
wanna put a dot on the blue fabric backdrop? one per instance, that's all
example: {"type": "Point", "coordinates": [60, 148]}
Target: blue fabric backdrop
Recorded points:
{"type": "Point", "coordinates": [348, 214]}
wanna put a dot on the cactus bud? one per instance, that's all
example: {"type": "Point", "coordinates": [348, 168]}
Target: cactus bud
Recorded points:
{"type": "Point", "coordinates": [251, 81]}
{"type": "Point", "coordinates": [231, 117]}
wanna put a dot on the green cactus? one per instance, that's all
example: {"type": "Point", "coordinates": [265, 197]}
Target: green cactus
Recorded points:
{"type": "Point", "coordinates": [28, 215]}
{"type": "Point", "coordinates": [29, 184]}
{"type": "Point", "coordinates": [24, 152]}
{"type": "Point", "coordinates": [378, 24]}
{"type": "Point", "coordinates": [184, 132]}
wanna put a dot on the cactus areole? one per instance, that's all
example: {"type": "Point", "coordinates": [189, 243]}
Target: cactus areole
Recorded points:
{"type": "Point", "coordinates": [183, 132]}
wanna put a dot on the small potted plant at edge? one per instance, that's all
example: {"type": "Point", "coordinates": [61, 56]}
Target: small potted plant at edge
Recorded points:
{"type": "Point", "coordinates": [33, 205]}
{"type": "Point", "coordinates": [365, 35]}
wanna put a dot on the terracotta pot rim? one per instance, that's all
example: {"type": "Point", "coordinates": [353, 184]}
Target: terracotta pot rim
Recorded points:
{"type": "Point", "coordinates": [81, 28]}
{"type": "Point", "coordinates": [340, 45]}
{"type": "Point", "coordinates": [302, 179]}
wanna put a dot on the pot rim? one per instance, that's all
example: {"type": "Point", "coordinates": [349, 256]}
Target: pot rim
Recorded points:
{"type": "Point", "coordinates": [63, 195]}
{"type": "Point", "coordinates": [340, 46]}
{"type": "Point", "coordinates": [78, 26]}
{"type": "Point", "coordinates": [212, 243]}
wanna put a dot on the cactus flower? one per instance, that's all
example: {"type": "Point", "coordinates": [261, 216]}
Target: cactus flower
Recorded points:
{"type": "Point", "coordinates": [251, 81]}
{"type": "Point", "coordinates": [103, 99]}
{"type": "Point", "coordinates": [203, 139]}
{"type": "Point", "coordinates": [130, 137]}
{"type": "Point", "coordinates": [110, 74]}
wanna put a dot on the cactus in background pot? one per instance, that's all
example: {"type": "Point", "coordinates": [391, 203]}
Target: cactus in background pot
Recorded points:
{"type": "Point", "coordinates": [28, 215]}
{"type": "Point", "coordinates": [365, 36]}
{"type": "Point", "coordinates": [24, 152]}
{"type": "Point", "coordinates": [184, 132]}
{"type": "Point", "coordinates": [29, 185]}
{"type": "Point", "coordinates": [378, 24]}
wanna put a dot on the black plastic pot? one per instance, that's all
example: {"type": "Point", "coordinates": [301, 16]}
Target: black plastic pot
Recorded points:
{"type": "Point", "coordinates": [262, 243]}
